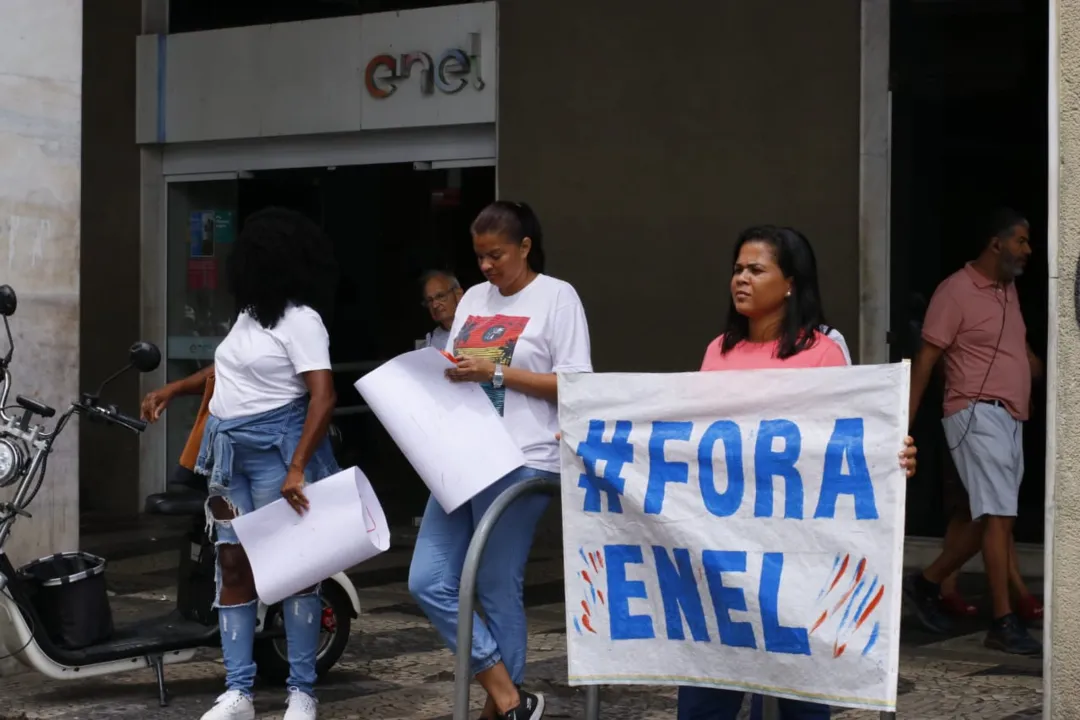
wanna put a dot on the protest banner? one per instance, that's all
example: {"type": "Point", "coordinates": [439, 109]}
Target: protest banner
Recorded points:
{"type": "Point", "coordinates": [739, 530]}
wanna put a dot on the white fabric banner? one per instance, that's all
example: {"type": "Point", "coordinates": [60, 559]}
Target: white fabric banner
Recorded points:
{"type": "Point", "coordinates": [739, 530]}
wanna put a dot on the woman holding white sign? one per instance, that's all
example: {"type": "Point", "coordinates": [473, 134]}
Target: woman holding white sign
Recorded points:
{"type": "Point", "coordinates": [266, 437]}
{"type": "Point", "coordinates": [775, 320]}
{"type": "Point", "coordinates": [512, 335]}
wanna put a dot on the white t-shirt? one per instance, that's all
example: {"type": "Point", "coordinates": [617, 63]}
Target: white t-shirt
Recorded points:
{"type": "Point", "coordinates": [258, 370]}
{"type": "Point", "coordinates": [541, 329]}
{"type": "Point", "coordinates": [438, 338]}
{"type": "Point", "coordinates": [834, 335]}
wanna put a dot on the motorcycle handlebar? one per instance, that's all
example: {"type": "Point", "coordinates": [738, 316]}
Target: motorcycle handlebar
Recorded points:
{"type": "Point", "coordinates": [109, 413]}
{"type": "Point", "coordinates": [130, 423]}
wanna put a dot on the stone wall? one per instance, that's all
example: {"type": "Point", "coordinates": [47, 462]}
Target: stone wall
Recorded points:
{"type": "Point", "coordinates": [40, 144]}
{"type": "Point", "coordinates": [1062, 658]}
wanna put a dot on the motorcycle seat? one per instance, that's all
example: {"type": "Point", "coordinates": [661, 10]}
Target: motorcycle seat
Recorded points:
{"type": "Point", "coordinates": [177, 502]}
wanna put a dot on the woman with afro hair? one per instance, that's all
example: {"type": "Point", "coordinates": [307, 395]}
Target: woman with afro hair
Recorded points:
{"type": "Point", "coordinates": [266, 436]}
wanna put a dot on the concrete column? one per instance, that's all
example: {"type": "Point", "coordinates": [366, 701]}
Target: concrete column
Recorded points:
{"type": "Point", "coordinates": [874, 140]}
{"type": "Point", "coordinates": [153, 464]}
{"type": "Point", "coordinates": [40, 140]}
{"type": "Point", "coordinates": [109, 456]}
{"type": "Point", "coordinates": [1061, 663]}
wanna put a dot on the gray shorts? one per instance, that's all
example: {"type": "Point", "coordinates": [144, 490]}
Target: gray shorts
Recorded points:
{"type": "Point", "coordinates": [989, 458]}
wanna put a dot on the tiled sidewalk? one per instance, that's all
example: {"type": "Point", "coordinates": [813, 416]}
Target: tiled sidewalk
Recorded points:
{"type": "Point", "coordinates": [396, 667]}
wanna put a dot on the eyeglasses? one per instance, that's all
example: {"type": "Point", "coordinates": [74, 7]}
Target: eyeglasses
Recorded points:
{"type": "Point", "coordinates": [437, 298]}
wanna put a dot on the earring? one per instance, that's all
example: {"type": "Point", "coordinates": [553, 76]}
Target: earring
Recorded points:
{"type": "Point", "coordinates": [787, 294]}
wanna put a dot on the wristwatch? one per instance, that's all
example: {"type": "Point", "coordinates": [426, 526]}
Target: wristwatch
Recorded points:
{"type": "Point", "coordinates": [497, 377]}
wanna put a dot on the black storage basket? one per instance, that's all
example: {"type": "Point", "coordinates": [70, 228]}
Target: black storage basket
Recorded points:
{"type": "Point", "coordinates": [69, 595]}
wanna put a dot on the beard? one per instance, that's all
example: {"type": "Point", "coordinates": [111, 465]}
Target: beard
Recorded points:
{"type": "Point", "coordinates": [1011, 267]}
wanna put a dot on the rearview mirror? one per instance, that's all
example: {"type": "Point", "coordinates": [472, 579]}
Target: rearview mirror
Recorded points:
{"type": "Point", "coordinates": [144, 357]}
{"type": "Point", "coordinates": [8, 301]}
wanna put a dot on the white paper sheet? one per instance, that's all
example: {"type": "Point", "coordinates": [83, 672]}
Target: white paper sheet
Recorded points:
{"type": "Point", "coordinates": [343, 527]}
{"type": "Point", "coordinates": [450, 432]}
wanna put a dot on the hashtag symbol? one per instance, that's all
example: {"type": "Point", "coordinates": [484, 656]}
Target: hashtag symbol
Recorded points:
{"type": "Point", "coordinates": [615, 454]}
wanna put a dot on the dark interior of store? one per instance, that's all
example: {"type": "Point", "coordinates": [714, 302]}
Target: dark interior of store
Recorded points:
{"type": "Point", "coordinates": [969, 134]}
{"type": "Point", "coordinates": [195, 15]}
{"type": "Point", "coordinates": [389, 225]}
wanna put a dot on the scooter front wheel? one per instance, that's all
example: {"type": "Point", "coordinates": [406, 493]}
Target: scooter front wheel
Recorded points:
{"type": "Point", "coordinates": [271, 655]}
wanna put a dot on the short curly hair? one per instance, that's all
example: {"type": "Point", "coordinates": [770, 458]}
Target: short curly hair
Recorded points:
{"type": "Point", "coordinates": [282, 258]}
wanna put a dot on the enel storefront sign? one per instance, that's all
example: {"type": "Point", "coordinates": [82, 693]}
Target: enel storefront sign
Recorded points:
{"type": "Point", "coordinates": [450, 73]}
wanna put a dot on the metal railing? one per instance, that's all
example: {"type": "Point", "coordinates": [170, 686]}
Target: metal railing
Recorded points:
{"type": "Point", "coordinates": [467, 603]}
{"type": "Point", "coordinates": [467, 595]}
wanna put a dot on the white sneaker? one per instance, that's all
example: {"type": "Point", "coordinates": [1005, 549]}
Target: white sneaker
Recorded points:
{"type": "Point", "coordinates": [233, 705]}
{"type": "Point", "coordinates": [301, 706]}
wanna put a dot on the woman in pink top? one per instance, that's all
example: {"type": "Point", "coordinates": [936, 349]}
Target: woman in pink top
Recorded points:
{"type": "Point", "coordinates": [774, 321]}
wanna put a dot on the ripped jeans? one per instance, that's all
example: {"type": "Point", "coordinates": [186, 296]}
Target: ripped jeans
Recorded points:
{"type": "Point", "coordinates": [246, 460]}
{"type": "Point", "coordinates": [256, 481]}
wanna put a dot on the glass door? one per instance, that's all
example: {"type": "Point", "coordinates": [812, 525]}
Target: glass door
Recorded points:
{"type": "Point", "coordinates": [202, 227]}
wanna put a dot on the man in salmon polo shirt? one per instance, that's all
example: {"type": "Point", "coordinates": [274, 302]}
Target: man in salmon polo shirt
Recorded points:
{"type": "Point", "coordinates": [974, 323]}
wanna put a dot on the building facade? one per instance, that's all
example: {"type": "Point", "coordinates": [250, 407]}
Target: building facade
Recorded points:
{"type": "Point", "coordinates": [585, 134]}
{"type": "Point", "coordinates": [646, 135]}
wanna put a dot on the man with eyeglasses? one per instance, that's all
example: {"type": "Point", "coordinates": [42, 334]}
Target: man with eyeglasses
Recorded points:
{"type": "Point", "coordinates": [441, 294]}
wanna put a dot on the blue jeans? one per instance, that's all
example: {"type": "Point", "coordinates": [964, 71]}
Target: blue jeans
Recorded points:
{"type": "Point", "coordinates": [248, 470]}
{"type": "Point", "coordinates": [698, 703]}
{"type": "Point", "coordinates": [435, 573]}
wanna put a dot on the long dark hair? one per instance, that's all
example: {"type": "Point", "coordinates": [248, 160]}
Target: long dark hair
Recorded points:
{"type": "Point", "coordinates": [516, 221]}
{"type": "Point", "coordinates": [802, 313]}
{"type": "Point", "coordinates": [823, 321]}
{"type": "Point", "coordinates": [282, 258]}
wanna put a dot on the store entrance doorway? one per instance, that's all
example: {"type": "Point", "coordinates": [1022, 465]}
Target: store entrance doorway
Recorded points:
{"type": "Point", "coordinates": [389, 225]}
{"type": "Point", "coordinates": [969, 134]}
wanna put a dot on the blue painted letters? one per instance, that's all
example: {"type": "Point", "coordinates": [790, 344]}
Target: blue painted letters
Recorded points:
{"type": "Point", "coordinates": [625, 626]}
{"type": "Point", "coordinates": [662, 471]}
{"type": "Point", "coordinates": [615, 454]}
{"type": "Point", "coordinates": [723, 504]}
{"type": "Point", "coordinates": [769, 463]}
{"type": "Point", "coordinates": [725, 599]}
{"type": "Point", "coordinates": [678, 589]}
{"type": "Point", "coordinates": [777, 448]}
{"type": "Point", "coordinates": [778, 639]}
{"type": "Point", "coordinates": [846, 441]}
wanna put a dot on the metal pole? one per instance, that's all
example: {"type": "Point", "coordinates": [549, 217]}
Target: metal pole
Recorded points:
{"type": "Point", "coordinates": [467, 594]}
{"type": "Point", "coordinates": [592, 703]}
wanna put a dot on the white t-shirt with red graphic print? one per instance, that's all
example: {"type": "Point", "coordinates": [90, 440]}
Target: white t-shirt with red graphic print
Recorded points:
{"type": "Point", "coordinates": [542, 329]}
